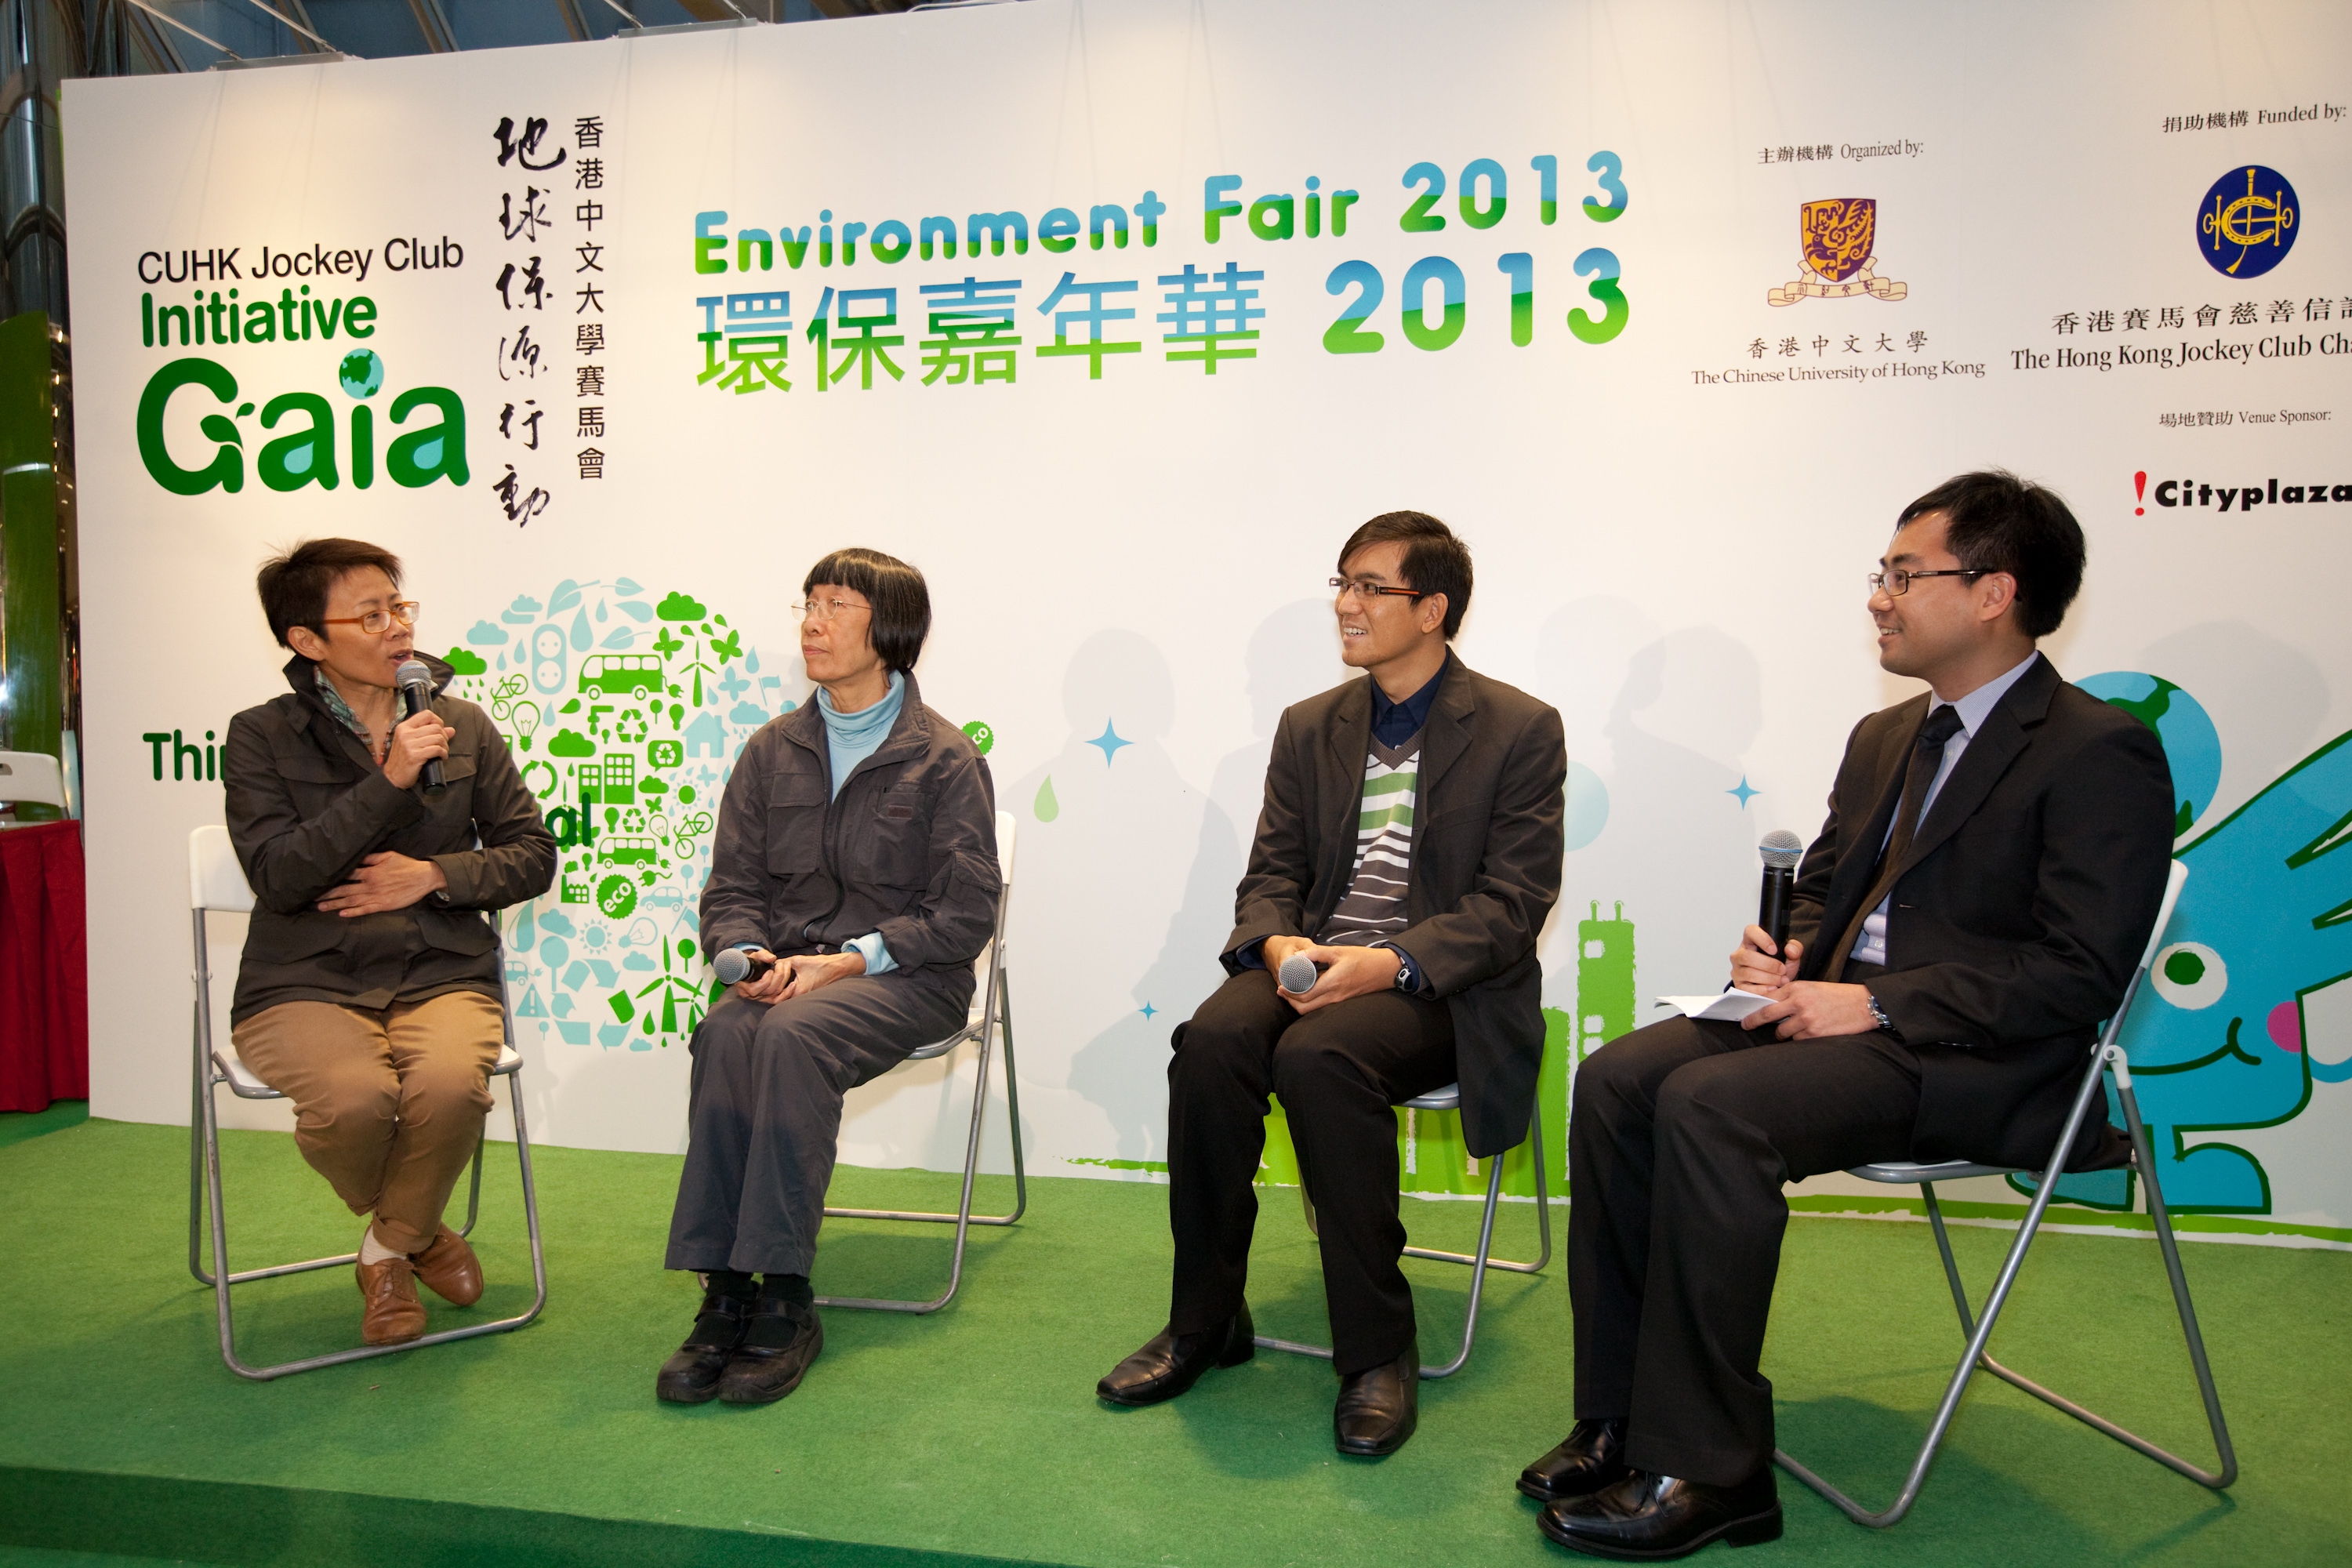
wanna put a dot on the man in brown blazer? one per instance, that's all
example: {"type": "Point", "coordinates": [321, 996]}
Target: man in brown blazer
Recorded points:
{"type": "Point", "coordinates": [1996, 850]}
{"type": "Point", "coordinates": [1410, 848]}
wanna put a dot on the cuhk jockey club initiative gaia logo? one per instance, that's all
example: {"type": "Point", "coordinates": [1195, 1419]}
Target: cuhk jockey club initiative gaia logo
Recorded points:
{"type": "Point", "coordinates": [626, 712]}
{"type": "Point", "coordinates": [2247, 222]}
{"type": "Point", "coordinates": [1838, 237]}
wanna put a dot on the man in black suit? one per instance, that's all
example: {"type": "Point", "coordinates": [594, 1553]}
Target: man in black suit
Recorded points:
{"type": "Point", "coordinates": [1410, 846]}
{"type": "Point", "coordinates": [1995, 854]}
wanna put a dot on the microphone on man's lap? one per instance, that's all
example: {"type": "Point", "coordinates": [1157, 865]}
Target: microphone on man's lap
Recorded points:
{"type": "Point", "coordinates": [735, 966]}
{"type": "Point", "coordinates": [1299, 975]}
{"type": "Point", "coordinates": [1780, 849]}
{"type": "Point", "coordinates": [415, 682]}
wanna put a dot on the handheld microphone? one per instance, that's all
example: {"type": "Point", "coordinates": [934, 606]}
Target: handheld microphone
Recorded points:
{"type": "Point", "coordinates": [1299, 975]}
{"type": "Point", "coordinates": [1781, 849]}
{"type": "Point", "coordinates": [416, 684]}
{"type": "Point", "coordinates": [735, 966]}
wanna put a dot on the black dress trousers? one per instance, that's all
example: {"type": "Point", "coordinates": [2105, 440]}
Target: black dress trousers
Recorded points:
{"type": "Point", "coordinates": [1679, 1139]}
{"type": "Point", "coordinates": [1339, 1072]}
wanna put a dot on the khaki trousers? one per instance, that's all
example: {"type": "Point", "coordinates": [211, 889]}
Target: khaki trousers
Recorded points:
{"type": "Point", "coordinates": [388, 1105]}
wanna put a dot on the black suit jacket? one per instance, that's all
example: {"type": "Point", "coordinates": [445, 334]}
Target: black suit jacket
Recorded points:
{"type": "Point", "coordinates": [2019, 913]}
{"type": "Point", "coordinates": [1487, 841]}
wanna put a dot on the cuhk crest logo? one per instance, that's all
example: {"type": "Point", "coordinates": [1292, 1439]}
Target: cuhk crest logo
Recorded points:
{"type": "Point", "coordinates": [1839, 240]}
{"type": "Point", "coordinates": [2247, 222]}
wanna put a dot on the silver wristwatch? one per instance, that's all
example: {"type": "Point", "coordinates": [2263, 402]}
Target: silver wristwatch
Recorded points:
{"type": "Point", "coordinates": [1879, 1014]}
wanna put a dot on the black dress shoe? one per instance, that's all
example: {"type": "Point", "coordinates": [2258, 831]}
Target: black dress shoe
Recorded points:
{"type": "Point", "coordinates": [780, 1340]}
{"type": "Point", "coordinates": [1379, 1409]}
{"type": "Point", "coordinates": [1590, 1457]}
{"type": "Point", "coordinates": [1169, 1363]}
{"type": "Point", "coordinates": [1649, 1518]}
{"type": "Point", "coordinates": [691, 1376]}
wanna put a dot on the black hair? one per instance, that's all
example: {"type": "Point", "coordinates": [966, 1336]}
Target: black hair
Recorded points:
{"type": "Point", "coordinates": [1995, 522]}
{"type": "Point", "coordinates": [294, 585]}
{"type": "Point", "coordinates": [1436, 559]}
{"type": "Point", "coordinates": [902, 604]}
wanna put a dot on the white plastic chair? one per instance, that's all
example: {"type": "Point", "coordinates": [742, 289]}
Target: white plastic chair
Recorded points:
{"type": "Point", "coordinates": [216, 883]}
{"type": "Point", "coordinates": [991, 1015]}
{"type": "Point", "coordinates": [33, 778]}
{"type": "Point", "coordinates": [2106, 1055]}
{"type": "Point", "coordinates": [1450, 1099]}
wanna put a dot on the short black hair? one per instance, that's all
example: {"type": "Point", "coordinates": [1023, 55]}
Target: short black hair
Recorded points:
{"type": "Point", "coordinates": [1436, 559]}
{"type": "Point", "coordinates": [294, 583]}
{"type": "Point", "coordinates": [1995, 522]}
{"type": "Point", "coordinates": [902, 604]}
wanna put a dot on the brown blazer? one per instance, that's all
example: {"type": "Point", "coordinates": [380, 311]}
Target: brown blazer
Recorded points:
{"type": "Point", "coordinates": [306, 802]}
{"type": "Point", "coordinates": [2019, 913]}
{"type": "Point", "coordinates": [1488, 842]}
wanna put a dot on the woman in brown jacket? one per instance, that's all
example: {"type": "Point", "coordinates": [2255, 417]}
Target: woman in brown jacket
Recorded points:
{"type": "Point", "coordinates": [856, 864]}
{"type": "Point", "coordinates": [369, 990]}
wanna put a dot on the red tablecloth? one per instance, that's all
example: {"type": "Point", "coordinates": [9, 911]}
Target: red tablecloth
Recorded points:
{"type": "Point", "coordinates": [44, 969]}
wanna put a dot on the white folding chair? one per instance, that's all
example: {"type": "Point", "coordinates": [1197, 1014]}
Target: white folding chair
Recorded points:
{"type": "Point", "coordinates": [216, 882]}
{"type": "Point", "coordinates": [991, 1015]}
{"type": "Point", "coordinates": [2106, 1055]}
{"type": "Point", "coordinates": [32, 778]}
{"type": "Point", "coordinates": [1450, 1099]}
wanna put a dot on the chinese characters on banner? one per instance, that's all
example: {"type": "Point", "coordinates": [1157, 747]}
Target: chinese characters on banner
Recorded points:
{"type": "Point", "coordinates": [532, 231]}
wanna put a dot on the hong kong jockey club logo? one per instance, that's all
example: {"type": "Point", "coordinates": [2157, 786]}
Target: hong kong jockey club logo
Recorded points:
{"type": "Point", "coordinates": [1839, 238]}
{"type": "Point", "coordinates": [2247, 223]}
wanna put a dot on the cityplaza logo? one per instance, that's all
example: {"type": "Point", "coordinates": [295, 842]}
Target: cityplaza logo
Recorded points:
{"type": "Point", "coordinates": [2245, 496]}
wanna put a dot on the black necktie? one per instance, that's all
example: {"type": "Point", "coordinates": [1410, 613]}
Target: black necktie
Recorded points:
{"type": "Point", "coordinates": [1927, 758]}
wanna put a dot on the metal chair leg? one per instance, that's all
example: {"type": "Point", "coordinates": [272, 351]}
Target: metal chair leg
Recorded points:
{"type": "Point", "coordinates": [223, 1278]}
{"type": "Point", "coordinates": [1479, 1262]}
{"type": "Point", "coordinates": [995, 1014]}
{"type": "Point", "coordinates": [1980, 1331]}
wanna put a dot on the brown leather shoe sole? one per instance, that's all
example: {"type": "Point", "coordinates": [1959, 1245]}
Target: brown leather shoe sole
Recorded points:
{"type": "Point", "coordinates": [449, 1268]}
{"type": "Point", "coordinates": [393, 1313]}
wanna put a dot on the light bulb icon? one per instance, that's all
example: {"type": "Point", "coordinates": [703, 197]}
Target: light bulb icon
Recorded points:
{"type": "Point", "coordinates": [525, 719]}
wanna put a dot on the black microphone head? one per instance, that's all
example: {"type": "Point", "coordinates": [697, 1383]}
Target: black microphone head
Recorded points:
{"type": "Point", "coordinates": [1781, 849]}
{"type": "Point", "coordinates": [731, 966]}
{"type": "Point", "coordinates": [413, 672]}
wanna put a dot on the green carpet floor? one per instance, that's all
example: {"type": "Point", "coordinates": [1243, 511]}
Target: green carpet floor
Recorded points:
{"type": "Point", "coordinates": [972, 1436]}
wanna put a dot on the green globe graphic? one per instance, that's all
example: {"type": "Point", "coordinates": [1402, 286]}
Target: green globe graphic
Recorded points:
{"type": "Point", "coordinates": [361, 373]}
{"type": "Point", "coordinates": [2191, 744]}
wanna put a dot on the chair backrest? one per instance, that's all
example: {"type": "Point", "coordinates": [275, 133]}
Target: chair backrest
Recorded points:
{"type": "Point", "coordinates": [2177, 879]}
{"type": "Point", "coordinates": [1008, 829]}
{"type": "Point", "coordinates": [32, 777]}
{"type": "Point", "coordinates": [215, 881]}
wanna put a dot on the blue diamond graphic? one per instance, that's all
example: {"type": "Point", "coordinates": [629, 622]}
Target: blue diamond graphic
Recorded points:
{"type": "Point", "coordinates": [1109, 742]}
{"type": "Point", "coordinates": [1743, 792]}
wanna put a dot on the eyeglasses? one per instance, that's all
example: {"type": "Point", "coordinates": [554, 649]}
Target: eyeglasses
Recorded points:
{"type": "Point", "coordinates": [1896, 582]}
{"type": "Point", "coordinates": [828, 610]}
{"type": "Point", "coordinates": [1366, 591]}
{"type": "Point", "coordinates": [376, 622]}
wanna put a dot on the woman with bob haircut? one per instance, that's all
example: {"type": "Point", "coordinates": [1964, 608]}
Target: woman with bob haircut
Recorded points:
{"type": "Point", "coordinates": [854, 863]}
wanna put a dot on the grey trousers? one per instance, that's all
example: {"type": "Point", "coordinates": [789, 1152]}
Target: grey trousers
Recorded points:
{"type": "Point", "coordinates": [764, 1111]}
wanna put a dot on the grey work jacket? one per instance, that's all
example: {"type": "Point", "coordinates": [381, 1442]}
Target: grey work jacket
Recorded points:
{"type": "Point", "coordinates": [908, 848]}
{"type": "Point", "coordinates": [306, 802]}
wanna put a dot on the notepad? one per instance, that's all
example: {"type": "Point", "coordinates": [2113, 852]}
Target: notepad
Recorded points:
{"type": "Point", "coordinates": [1728, 1006]}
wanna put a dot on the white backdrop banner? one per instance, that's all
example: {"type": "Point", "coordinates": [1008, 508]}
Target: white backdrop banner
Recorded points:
{"type": "Point", "coordinates": [1116, 316]}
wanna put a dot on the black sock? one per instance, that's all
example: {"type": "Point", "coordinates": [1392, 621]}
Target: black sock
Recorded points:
{"type": "Point", "coordinates": [791, 1288]}
{"type": "Point", "coordinates": [727, 1282]}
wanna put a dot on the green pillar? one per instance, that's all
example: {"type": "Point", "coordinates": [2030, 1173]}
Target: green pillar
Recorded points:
{"type": "Point", "coordinates": [32, 634]}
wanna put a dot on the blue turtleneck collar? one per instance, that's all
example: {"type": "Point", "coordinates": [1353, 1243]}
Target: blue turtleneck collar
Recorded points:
{"type": "Point", "coordinates": [851, 737]}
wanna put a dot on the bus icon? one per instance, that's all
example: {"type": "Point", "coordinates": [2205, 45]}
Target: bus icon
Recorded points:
{"type": "Point", "coordinates": [620, 851]}
{"type": "Point", "coordinates": [637, 675]}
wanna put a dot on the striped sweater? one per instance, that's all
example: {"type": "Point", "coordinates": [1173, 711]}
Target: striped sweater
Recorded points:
{"type": "Point", "coordinates": [1374, 908]}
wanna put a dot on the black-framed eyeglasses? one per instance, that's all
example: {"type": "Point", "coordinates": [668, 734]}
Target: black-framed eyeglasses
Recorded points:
{"type": "Point", "coordinates": [1366, 590]}
{"type": "Point", "coordinates": [1897, 582]}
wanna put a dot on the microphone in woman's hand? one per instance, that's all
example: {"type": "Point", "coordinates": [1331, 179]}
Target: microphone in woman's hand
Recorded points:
{"type": "Point", "coordinates": [734, 966]}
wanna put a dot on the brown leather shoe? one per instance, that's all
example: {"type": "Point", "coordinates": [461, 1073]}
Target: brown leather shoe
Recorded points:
{"type": "Point", "coordinates": [393, 1313]}
{"type": "Point", "coordinates": [450, 1267]}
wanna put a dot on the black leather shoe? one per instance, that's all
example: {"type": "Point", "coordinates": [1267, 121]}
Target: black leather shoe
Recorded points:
{"type": "Point", "coordinates": [691, 1376]}
{"type": "Point", "coordinates": [1647, 1518]}
{"type": "Point", "coordinates": [1169, 1363]}
{"type": "Point", "coordinates": [1590, 1457]}
{"type": "Point", "coordinates": [1379, 1409]}
{"type": "Point", "coordinates": [779, 1341]}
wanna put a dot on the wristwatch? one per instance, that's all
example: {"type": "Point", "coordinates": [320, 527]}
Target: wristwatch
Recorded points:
{"type": "Point", "coordinates": [1879, 1014]}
